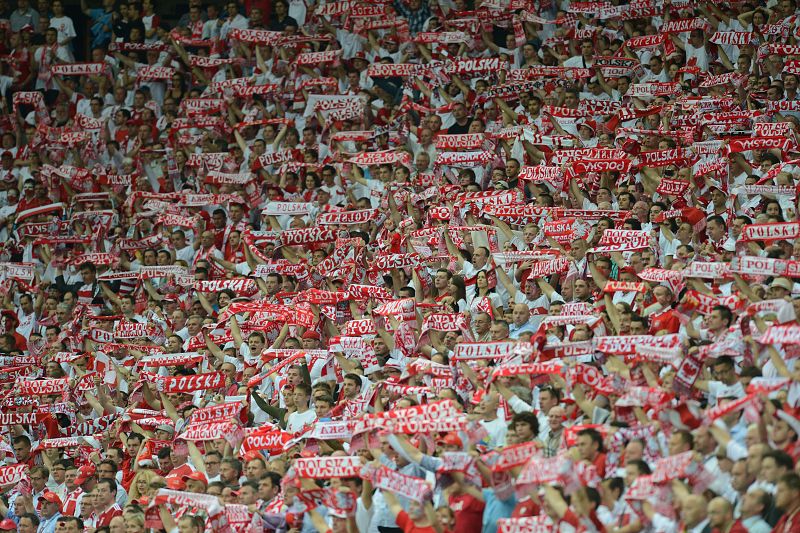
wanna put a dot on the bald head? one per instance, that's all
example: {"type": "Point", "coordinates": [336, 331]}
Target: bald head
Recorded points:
{"type": "Point", "coordinates": [720, 513]}
{"type": "Point", "coordinates": [521, 314]}
{"type": "Point", "coordinates": [693, 510]}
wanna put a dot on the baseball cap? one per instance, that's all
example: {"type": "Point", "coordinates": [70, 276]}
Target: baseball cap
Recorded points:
{"type": "Point", "coordinates": [165, 427]}
{"type": "Point", "coordinates": [175, 483]}
{"type": "Point", "coordinates": [52, 497]}
{"type": "Point", "coordinates": [311, 335]}
{"type": "Point", "coordinates": [197, 476]}
{"type": "Point", "coordinates": [784, 283]}
{"type": "Point", "coordinates": [8, 525]}
{"type": "Point", "coordinates": [84, 473]}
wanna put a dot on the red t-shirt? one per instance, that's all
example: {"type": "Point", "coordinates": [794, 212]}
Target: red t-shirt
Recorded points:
{"type": "Point", "coordinates": [600, 463]}
{"type": "Point", "coordinates": [667, 320]}
{"type": "Point", "coordinates": [468, 512]}
{"type": "Point", "coordinates": [526, 507]}
{"type": "Point", "coordinates": [405, 523]}
{"type": "Point", "coordinates": [104, 518]}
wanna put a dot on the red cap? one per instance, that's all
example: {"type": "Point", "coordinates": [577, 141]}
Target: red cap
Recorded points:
{"type": "Point", "coordinates": [197, 476]}
{"type": "Point", "coordinates": [8, 525]}
{"type": "Point", "coordinates": [311, 335]}
{"type": "Point", "coordinates": [175, 483]}
{"type": "Point", "coordinates": [84, 473]}
{"type": "Point", "coordinates": [52, 497]}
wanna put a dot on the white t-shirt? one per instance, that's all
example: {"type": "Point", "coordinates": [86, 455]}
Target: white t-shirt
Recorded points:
{"type": "Point", "coordinates": [296, 421]}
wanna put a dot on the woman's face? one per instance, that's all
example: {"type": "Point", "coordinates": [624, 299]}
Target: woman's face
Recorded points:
{"type": "Point", "coordinates": [481, 280]}
{"type": "Point", "coordinates": [142, 485]}
{"type": "Point", "coordinates": [131, 526]}
{"type": "Point", "coordinates": [452, 289]}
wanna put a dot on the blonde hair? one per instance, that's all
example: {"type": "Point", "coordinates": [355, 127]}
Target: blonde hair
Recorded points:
{"type": "Point", "coordinates": [148, 476]}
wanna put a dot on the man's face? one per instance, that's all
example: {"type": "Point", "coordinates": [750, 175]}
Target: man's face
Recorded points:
{"type": "Point", "coordinates": [724, 373]}
{"type": "Point", "coordinates": [498, 332]}
{"type": "Point", "coordinates": [740, 479]}
{"type": "Point", "coordinates": [227, 472]}
{"type": "Point", "coordinates": [350, 388]}
{"type": "Point", "coordinates": [581, 289]}
{"type": "Point", "coordinates": [26, 526]}
{"type": "Point", "coordinates": [715, 321]}
{"type": "Point", "coordinates": [769, 470]}
{"type": "Point", "coordinates": [255, 469]}
{"type": "Point", "coordinates": [785, 497]}
{"type": "Point", "coordinates": [586, 447]}
{"type": "Point", "coordinates": [482, 324]}
{"type": "Point", "coordinates": [106, 497]}
{"type": "Point", "coordinates": [480, 257]}
{"type": "Point", "coordinates": [22, 451]}
{"type": "Point", "coordinates": [67, 526]}
{"type": "Point", "coordinates": [521, 314]}
{"type": "Point", "coordinates": [266, 490]}
{"type": "Point", "coordinates": [193, 326]}
{"type": "Point", "coordinates": [256, 344]}
{"type": "Point", "coordinates": [293, 376]}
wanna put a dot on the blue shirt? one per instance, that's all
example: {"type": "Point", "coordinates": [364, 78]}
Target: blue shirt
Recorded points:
{"type": "Point", "coordinates": [496, 509]}
{"type": "Point", "coordinates": [100, 17]}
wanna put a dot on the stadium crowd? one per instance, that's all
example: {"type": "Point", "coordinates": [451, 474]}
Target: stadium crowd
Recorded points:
{"type": "Point", "coordinates": [423, 266]}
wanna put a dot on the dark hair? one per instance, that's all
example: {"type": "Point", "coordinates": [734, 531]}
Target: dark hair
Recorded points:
{"type": "Point", "coordinates": [791, 480]}
{"type": "Point", "coordinates": [643, 467]}
{"type": "Point", "coordinates": [716, 218]}
{"type": "Point", "coordinates": [528, 418]}
{"type": "Point", "coordinates": [236, 464]}
{"type": "Point", "coordinates": [616, 483]}
{"type": "Point", "coordinates": [32, 517]}
{"type": "Point", "coordinates": [726, 313]}
{"type": "Point", "coordinates": [112, 485]}
{"type": "Point", "coordinates": [593, 434]}
{"type": "Point", "coordinates": [781, 458]}
{"type": "Point", "coordinates": [275, 477]}
{"type": "Point", "coordinates": [354, 377]}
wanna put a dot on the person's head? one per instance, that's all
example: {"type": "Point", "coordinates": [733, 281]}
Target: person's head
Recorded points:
{"type": "Point", "coordinates": [22, 448]}
{"type": "Point", "coordinates": [107, 469]}
{"type": "Point", "coordinates": [720, 514]}
{"type": "Point", "coordinates": [787, 493]}
{"type": "Point", "coordinates": [248, 493]}
{"type": "Point", "coordinates": [724, 370]}
{"type": "Point", "coordinates": [73, 524]}
{"type": "Point", "coordinates": [549, 397]}
{"type": "Point", "coordinates": [720, 318]}
{"type": "Point", "coordinates": [256, 468]}
{"type": "Point", "coordinates": [213, 462]}
{"type": "Point", "coordinates": [191, 524]}
{"type": "Point", "coordinates": [230, 471]}
{"type": "Point", "coordinates": [28, 523]}
{"type": "Point", "coordinates": [590, 443]}
{"type": "Point", "coordinates": [526, 426]}
{"type": "Point", "coordinates": [774, 464]}
{"type": "Point", "coordinates": [351, 385]}
{"type": "Point", "coordinates": [52, 504]}
{"type": "Point", "coordinates": [106, 492]}
{"type": "Point", "coordinates": [269, 486]}
{"type": "Point", "coordinates": [556, 417]}
{"type": "Point", "coordinates": [499, 330]}
{"type": "Point", "coordinates": [680, 441]}
{"type": "Point", "coordinates": [693, 510]}
{"type": "Point", "coordinates": [39, 475]}
{"type": "Point", "coordinates": [741, 477]}
{"type": "Point", "coordinates": [521, 314]}
{"type": "Point", "coordinates": [755, 502]}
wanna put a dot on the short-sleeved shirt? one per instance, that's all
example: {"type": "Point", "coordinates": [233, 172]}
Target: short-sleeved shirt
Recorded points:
{"type": "Point", "coordinates": [405, 523]}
